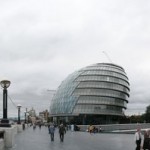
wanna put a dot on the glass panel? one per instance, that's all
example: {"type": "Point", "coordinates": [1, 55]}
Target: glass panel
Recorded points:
{"type": "Point", "coordinates": [107, 85]}
{"type": "Point", "coordinates": [102, 100]}
{"type": "Point", "coordinates": [63, 102]}
{"type": "Point", "coordinates": [100, 92]}
{"type": "Point", "coordinates": [98, 109]}
{"type": "Point", "coordinates": [102, 78]}
{"type": "Point", "coordinates": [105, 72]}
{"type": "Point", "coordinates": [108, 68]}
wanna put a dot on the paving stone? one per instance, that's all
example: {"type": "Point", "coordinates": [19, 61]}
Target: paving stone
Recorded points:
{"type": "Point", "coordinates": [39, 139]}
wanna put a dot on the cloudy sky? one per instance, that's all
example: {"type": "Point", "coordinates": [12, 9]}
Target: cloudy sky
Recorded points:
{"type": "Point", "coordinates": [43, 41]}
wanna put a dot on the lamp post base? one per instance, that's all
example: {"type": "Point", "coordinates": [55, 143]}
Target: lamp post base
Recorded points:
{"type": "Point", "coordinates": [5, 123]}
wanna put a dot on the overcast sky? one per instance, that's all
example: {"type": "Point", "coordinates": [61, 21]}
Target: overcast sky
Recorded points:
{"type": "Point", "coordinates": [43, 41]}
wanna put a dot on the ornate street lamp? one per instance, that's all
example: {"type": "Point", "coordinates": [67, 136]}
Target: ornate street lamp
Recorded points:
{"type": "Point", "coordinates": [5, 122]}
{"type": "Point", "coordinates": [19, 107]}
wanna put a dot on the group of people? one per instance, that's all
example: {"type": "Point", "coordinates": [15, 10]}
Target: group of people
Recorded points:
{"type": "Point", "coordinates": [142, 142]}
{"type": "Point", "coordinates": [93, 129]}
{"type": "Point", "coordinates": [61, 128]}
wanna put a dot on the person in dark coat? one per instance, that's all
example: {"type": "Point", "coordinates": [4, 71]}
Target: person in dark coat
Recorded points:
{"type": "Point", "coordinates": [146, 142]}
{"type": "Point", "coordinates": [62, 131]}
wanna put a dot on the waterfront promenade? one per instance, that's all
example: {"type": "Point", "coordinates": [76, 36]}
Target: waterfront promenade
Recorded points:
{"type": "Point", "coordinates": [39, 139]}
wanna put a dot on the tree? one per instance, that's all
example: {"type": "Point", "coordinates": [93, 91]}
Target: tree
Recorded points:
{"type": "Point", "coordinates": [147, 114]}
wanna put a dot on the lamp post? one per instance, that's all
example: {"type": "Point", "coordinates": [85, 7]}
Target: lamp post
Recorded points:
{"type": "Point", "coordinates": [19, 107]}
{"type": "Point", "coordinates": [25, 116]}
{"type": "Point", "coordinates": [5, 122]}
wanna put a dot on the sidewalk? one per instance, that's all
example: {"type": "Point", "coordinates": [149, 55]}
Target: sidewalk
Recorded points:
{"type": "Point", "coordinates": [39, 139]}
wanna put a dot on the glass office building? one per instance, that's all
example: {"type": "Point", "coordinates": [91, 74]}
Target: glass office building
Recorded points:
{"type": "Point", "coordinates": [96, 94]}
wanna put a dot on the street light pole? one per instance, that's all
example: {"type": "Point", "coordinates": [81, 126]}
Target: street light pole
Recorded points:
{"type": "Point", "coordinates": [19, 106]}
{"type": "Point", "coordinates": [25, 116]}
{"type": "Point", "coordinates": [4, 103]}
{"type": "Point", "coordinates": [5, 122]}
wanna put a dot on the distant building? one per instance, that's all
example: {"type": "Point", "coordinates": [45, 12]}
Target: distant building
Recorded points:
{"type": "Point", "coordinates": [32, 113]}
{"type": "Point", "coordinates": [32, 116]}
{"type": "Point", "coordinates": [44, 115]}
{"type": "Point", "coordinates": [96, 94]}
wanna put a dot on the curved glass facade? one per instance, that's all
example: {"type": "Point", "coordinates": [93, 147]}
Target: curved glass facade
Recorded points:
{"type": "Point", "coordinates": [98, 91]}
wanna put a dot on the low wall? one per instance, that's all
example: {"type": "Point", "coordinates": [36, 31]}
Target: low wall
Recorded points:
{"type": "Point", "coordinates": [112, 127]}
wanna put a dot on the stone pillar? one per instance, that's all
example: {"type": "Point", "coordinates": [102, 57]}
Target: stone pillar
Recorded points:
{"type": "Point", "coordinates": [15, 129]}
{"type": "Point", "coordinates": [2, 144]}
{"type": "Point", "coordinates": [9, 136]}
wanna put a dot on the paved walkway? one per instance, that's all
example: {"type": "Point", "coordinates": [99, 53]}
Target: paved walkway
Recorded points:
{"type": "Point", "coordinates": [39, 139]}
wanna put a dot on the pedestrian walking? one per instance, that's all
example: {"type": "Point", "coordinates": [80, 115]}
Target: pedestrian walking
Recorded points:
{"type": "Point", "coordinates": [138, 139]}
{"type": "Point", "coordinates": [40, 126]}
{"type": "Point", "coordinates": [91, 128]}
{"type": "Point", "coordinates": [23, 126]}
{"type": "Point", "coordinates": [51, 129]}
{"type": "Point", "coordinates": [34, 126]}
{"type": "Point", "coordinates": [62, 131]}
